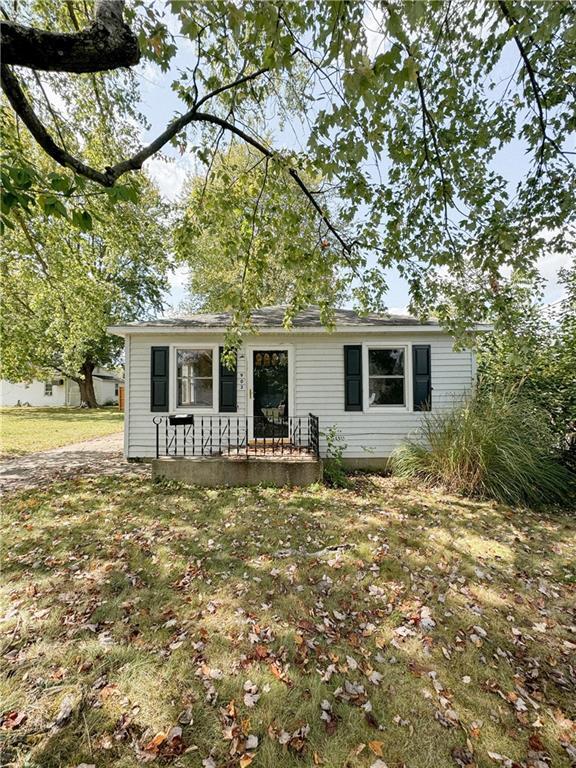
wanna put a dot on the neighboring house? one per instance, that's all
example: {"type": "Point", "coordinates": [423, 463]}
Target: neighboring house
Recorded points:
{"type": "Point", "coordinates": [372, 377]}
{"type": "Point", "coordinates": [60, 391]}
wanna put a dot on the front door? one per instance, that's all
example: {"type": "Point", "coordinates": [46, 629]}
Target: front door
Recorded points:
{"type": "Point", "coordinates": [270, 367]}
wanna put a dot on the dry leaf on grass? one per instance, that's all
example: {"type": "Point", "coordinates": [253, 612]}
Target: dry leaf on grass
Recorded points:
{"type": "Point", "coordinates": [13, 720]}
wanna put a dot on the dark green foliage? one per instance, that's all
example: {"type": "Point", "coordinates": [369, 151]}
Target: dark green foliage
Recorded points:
{"type": "Point", "coordinates": [334, 474]}
{"type": "Point", "coordinates": [536, 356]}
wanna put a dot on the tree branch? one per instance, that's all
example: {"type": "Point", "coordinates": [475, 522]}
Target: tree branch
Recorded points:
{"type": "Point", "coordinates": [229, 86]}
{"type": "Point", "coordinates": [50, 109]}
{"type": "Point", "coordinates": [107, 43]}
{"type": "Point", "coordinates": [22, 107]}
{"type": "Point", "coordinates": [205, 117]}
{"type": "Point", "coordinates": [532, 78]}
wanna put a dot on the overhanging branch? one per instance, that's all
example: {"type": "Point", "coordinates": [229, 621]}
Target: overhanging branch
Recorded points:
{"type": "Point", "coordinates": [107, 43]}
{"type": "Point", "coordinates": [23, 109]}
{"type": "Point", "coordinates": [108, 178]}
{"type": "Point", "coordinates": [539, 97]}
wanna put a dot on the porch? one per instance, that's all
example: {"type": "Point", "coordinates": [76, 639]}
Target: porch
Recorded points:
{"type": "Point", "coordinates": [187, 435]}
{"type": "Point", "coordinates": [235, 451]}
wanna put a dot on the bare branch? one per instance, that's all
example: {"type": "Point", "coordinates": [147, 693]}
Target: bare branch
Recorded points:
{"type": "Point", "coordinates": [50, 109]}
{"type": "Point", "coordinates": [229, 86]}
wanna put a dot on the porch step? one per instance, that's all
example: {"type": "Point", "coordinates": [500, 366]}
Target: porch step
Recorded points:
{"type": "Point", "coordinates": [243, 470]}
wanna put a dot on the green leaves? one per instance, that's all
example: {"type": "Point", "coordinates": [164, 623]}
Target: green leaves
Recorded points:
{"type": "Point", "coordinates": [82, 220]}
{"type": "Point", "coordinates": [61, 183]}
{"type": "Point", "coordinates": [249, 239]}
{"type": "Point", "coordinates": [269, 57]}
{"type": "Point", "coordinates": [445, 131]}
{"type": "Point", "coordinates": [123, 192]}
{"type": "Point", "coordinates": [22, 176]}
{"type": "Point", "coordinates": [52, 205]}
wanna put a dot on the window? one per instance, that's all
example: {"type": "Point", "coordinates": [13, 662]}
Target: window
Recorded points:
{"type": "Point", "coordinates": [116, 390]}
{"type": "Point", "coordinates": [48, 389]}
{"type": "Point", "coordinates": [386, 376]}
{"type": "Point", "coordinates": [195, 378]}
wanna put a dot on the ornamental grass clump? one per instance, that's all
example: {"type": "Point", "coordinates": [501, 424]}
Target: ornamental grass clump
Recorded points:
{"type": "Point", "coordinates": [494, 444]}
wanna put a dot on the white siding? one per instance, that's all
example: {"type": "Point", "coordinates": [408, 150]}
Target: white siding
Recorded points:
{"type": "Point", "coordinates": [31, 393]}
{"type": "Point", "coordinates": [104, 389]}
{"type": "Point", "coordinates": [66, 394]}
{"type": "Point", "coordinates": [318, 386]}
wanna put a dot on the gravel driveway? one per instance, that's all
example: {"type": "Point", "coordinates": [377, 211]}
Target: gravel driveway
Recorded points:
{"type": "Point", "coordinates": [100, 456]}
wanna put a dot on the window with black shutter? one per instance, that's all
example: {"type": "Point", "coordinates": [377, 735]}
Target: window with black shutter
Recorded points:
{"type": "Point", "coordinates": [353, 377]}
{"type": "Point", "coordinates": [386, 376]}
{"type": "Point", "coordinates": [159, 378]}
{"type": "Point", "coordinates": [227, 386]}
{"type": "Point", "coordinates": [422, 377]}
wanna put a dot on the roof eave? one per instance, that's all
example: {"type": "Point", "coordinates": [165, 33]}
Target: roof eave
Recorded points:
{"type": "Point", "coordinates": [128, 330]}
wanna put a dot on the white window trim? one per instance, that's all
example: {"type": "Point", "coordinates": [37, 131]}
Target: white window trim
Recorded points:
{"type": "Point", "coordinates": [250, 349]}
{"type": "Point", "coordinates": [174, 407]}
{"type": "Point", "coordinates": [407, 347]}
{"type": "Point", "coordinates": [51, 393]}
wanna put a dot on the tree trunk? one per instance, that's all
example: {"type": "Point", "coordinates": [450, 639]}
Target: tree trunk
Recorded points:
{"type": "Point", "coordinates": [86, 384]}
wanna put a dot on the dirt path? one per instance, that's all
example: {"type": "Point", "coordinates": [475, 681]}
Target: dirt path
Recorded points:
{"type": "Point", "coordinates": [100, 456]}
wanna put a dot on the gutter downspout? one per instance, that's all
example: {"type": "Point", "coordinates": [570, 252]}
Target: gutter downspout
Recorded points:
{"type": "Point", "coordinates": [126, 396]}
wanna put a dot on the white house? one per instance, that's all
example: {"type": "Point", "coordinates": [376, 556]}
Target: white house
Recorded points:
{"type": "Point", "coordinates": [59, 391]}
{"type": "Point", "coordinates": [372, 377]}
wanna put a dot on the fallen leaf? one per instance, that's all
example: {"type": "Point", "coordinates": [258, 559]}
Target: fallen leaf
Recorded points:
{"type": "Point", "coordinates": [251, 742]}
{"type": "Point", "coordinates": [376, 747]}
{"type": "Point", "coordinates": [154, 744]}
{"type": "Point", "coordinates": [463, 757]}
{"type": "Point", "coordinates": [12, 720]}
{"type": "Point", "coordinates": [65, 711]}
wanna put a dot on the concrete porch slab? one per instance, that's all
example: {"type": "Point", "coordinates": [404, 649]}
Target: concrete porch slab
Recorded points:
{"type": "Point", "coordinates": [215, 471]}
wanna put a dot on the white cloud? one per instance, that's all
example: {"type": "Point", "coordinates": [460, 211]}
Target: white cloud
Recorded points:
{"type": "Point", "coordinates": [169, 174]}
{"type": "Point", "coordinates": [177, 292]}
{"type": "Point", "coordinates": [549, 266]}
{"type": "Point", "coordinates": [373, 24]}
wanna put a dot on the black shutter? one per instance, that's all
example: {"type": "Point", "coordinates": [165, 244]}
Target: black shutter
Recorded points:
{"type": "Point", "coordinates": [159, 367]}
{"type": "Point", "coordinates": [353, 377]}
{"type": "Point", "coordinates": [422, 377]}
{"type": "Point", "coordinates": [227, 386]}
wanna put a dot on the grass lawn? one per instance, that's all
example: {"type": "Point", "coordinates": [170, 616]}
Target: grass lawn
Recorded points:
{"type": "Point", "coordinates": [380, 625]}
{"type": "Point", "coordinates": [24, 430]}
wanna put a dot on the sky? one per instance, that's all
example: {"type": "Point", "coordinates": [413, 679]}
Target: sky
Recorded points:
{"type": "Point", "coordinates": [160, 103]}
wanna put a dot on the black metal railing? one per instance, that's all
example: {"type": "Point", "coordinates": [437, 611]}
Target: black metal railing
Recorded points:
{"type": "Point", "coordinates": [192, 435]}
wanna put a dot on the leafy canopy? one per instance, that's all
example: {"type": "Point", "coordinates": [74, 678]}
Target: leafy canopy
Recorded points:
{"type": "Point", "coordinates": [61, 287]}
{"type": "Point", "coordinates": [409, 110]}
{"type": "Point", "coordinates": [537, 359]}
{"type": "Point", "coordinates": [262, 247]}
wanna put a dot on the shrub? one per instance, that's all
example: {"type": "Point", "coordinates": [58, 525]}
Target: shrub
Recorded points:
{"type": "Point", "coordinates": [334, 473]}
{"type": "Point", "coordinates": [495, 444]}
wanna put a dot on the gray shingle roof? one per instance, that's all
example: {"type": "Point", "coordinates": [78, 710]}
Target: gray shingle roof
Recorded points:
{"type": "Point", "coordinates": [273, 317]}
